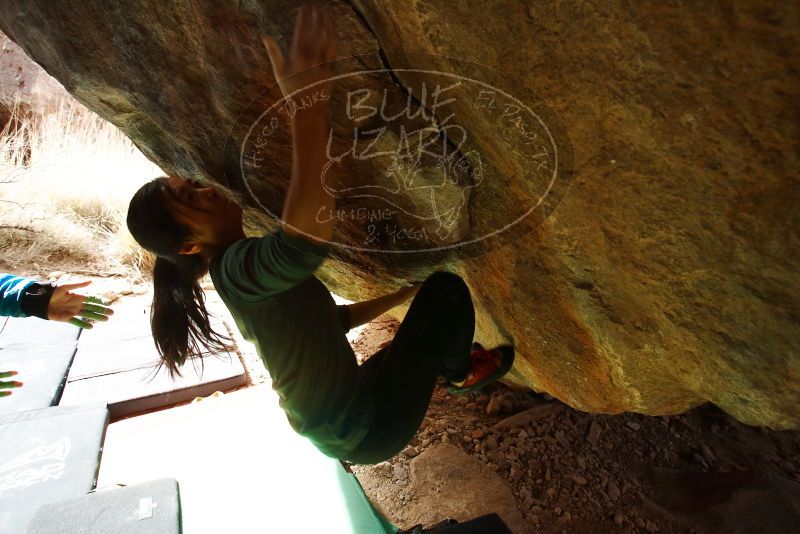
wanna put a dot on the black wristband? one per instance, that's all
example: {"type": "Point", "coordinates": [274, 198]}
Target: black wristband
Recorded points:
{"type": "Point", "coordinates": [37, 299]}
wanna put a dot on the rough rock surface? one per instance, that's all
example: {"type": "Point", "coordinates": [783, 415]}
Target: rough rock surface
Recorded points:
{"type": "Point", "coordinates": [23, 82]}
{"type": "Point", "coordinates": [738, 502]}
{"type": "Point", "coordinates": [669, 273]}
{"type": "Point", "coordinates": [443, 481]}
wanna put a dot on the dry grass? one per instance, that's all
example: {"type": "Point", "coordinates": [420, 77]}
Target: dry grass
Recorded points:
{"type": "Point", "coordinates": [65, 182]}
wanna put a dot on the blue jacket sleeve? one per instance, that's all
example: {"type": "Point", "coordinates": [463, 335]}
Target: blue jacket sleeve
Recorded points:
{"type": "Point", "coordinates": [12, 291]}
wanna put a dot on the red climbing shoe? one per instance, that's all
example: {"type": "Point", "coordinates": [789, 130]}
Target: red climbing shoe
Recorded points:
{"type": "Point", "coordinates": [487, 366]}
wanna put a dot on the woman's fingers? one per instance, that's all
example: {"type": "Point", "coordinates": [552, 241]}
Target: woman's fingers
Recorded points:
{"type": "Point", "coordinates": [6, 374]}
{"type": "Point", "coordinates": [325, 37]}
{"type": "Point", "coordinates": [275, 56]}
{"type": "Point", "coordinates": [321, 31]}
{"type": "Point", "coordinates": [332, 39]}
{"type": "Point", "coordinates": [313, 37]}
{"type": "Point", "coordinates": [299, 40]}
{"type": "Point", "coordinates": [314, 43]}
{"type": "Point", "coordinates": [313, 28]}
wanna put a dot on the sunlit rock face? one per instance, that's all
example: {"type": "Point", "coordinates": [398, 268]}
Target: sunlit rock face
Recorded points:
{"type": "Point", "coordinates": [632, 229]}
{"type": "Point", "coordinates": [26, 91]}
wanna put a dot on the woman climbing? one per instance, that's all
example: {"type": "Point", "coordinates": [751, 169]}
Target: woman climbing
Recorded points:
{"type": "Point", "coordinates": [362, 414]}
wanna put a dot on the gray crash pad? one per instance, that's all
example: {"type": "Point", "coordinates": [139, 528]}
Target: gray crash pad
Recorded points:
{"type": "Point", "coordinates": [115, 363]}
{"type": "Point", "coordinates": [41, 352]}
{"type": "Point", "coordinates": [152, 507]}
{"type": "Point", "coordinates": [47, 455]}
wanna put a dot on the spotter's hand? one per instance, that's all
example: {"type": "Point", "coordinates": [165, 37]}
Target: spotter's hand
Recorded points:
{"type": "Point", "coordinates": [4, 385]}
{"type": "Point", "coordinates": [75, 308]}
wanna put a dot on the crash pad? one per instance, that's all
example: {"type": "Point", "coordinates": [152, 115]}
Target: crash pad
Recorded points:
{"type": "Point", "coordinates": [241, 468]}
{"type": "Point", "coordinates": [46, 455]}
{"type": "Point", "coordinates": [41, 352]}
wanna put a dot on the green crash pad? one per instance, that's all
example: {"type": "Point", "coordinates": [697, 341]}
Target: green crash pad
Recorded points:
{"type": "Point", "coordinates": [241, 468]}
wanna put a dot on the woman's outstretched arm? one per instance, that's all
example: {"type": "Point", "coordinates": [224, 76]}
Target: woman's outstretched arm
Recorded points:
{"type": "Point", "coordinates": [306, 197]}
{"type": "Point", "coordinates": [305, 79]}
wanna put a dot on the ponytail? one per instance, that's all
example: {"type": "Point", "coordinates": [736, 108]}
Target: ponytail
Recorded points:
{"type": "Point", "coordinates": [179, 320]}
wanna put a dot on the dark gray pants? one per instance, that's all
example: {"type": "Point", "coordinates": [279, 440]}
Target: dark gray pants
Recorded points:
{"type": "Point", "coordinates": [434, 338]}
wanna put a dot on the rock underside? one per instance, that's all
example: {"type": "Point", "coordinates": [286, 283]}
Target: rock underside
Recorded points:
{"type": "Point", "coordinates": [622, 178]}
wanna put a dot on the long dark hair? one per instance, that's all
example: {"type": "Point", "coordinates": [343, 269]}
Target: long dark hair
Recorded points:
{"type": "Point", "coordinates": [178, 318]}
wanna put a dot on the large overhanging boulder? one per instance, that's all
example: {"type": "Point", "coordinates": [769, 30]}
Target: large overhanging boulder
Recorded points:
{"type": "Point", "coordinates": [655, 270]}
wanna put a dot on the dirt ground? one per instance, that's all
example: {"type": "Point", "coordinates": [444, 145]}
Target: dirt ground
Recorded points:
{"type": "Point", "coordinates": [576, 472]}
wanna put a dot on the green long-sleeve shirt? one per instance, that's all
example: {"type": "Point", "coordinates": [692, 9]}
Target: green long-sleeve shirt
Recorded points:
{"type": "Point", "coordinates": [268, 285]}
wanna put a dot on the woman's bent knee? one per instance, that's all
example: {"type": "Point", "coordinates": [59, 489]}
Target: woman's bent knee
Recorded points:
{"type": "Point", "coordinates": [450, 285]}
{"type": "Point", "coordinates": [444, 279]}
